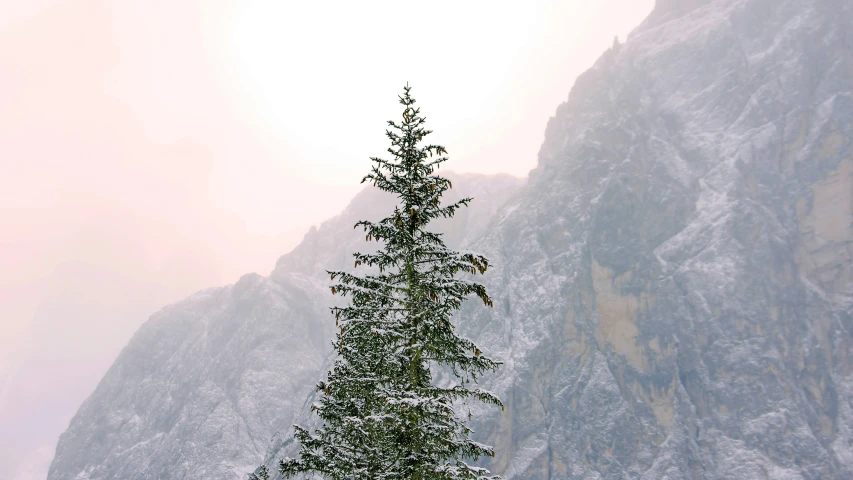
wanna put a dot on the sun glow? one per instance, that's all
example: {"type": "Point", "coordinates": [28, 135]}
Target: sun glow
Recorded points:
{"type": "Point", "coordinates": [317, 81]}
{"type": "Point", "coordinates": [316, 69]}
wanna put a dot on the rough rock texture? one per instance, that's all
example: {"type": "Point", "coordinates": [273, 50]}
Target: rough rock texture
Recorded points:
{"type": "Point", "coordinates": [673, 287]}
{"type": "Point", "coordinates": [206, 383]}
{"type": "Point", "coordinates": [676, 277]}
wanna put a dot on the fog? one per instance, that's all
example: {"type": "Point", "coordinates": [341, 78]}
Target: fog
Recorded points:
{"type": "Point", "coordinates": [152, 149]}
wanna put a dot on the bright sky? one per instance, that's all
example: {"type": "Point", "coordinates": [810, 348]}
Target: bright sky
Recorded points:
{"type": "Point", "coordinates": [151, 149]}
{"type": "Point", "coordinates": [322, 79]}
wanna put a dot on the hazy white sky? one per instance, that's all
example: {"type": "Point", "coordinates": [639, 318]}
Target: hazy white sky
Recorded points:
{"type": "Point", "coordinates": [150, 149]}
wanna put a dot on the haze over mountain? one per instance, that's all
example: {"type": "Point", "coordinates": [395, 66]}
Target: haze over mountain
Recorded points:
{"type": "Point", "coordinates": [672, 285]}
{"type": "Point", "coordinates": [217, 375]}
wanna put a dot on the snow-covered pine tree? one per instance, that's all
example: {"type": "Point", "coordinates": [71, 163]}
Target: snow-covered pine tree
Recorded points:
{"type": "Point", "coordinates": [383, 415]}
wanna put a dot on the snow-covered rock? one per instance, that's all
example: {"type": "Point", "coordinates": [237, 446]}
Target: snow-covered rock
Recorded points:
{"type": "Point", "coordinates": [676, 278]}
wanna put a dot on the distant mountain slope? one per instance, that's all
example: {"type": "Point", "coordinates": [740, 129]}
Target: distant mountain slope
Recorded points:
{"type": "Point", "coordinates": [205, 384]}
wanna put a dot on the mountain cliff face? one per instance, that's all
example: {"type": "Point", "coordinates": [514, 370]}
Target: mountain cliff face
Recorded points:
{"type": "Point", "coordinates": [676, 276]}
{"type": "Point", "coordinates": [206, 383]}
{"type": "Point", "coordinates": [673, 287]}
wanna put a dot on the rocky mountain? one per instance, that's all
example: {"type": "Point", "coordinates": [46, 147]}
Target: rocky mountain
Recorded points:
{"type": "Point", "coordinates": [676, 276]}
{"type": "Point", "coordinates": [206, 383]}
{"type": "Point", "coordinates": [673, 286]}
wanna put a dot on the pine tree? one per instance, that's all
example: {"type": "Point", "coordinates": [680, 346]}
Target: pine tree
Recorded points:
{"type": "Point", "coordinates": [383, 416]}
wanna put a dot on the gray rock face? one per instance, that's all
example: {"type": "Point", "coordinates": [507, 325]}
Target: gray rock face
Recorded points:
{"type": "Point", "coordinates": [676, 277]}
{"type": "Point", "coordinates": [673, 287]}
{"type": "Point", "coordinates": [205, 384]}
